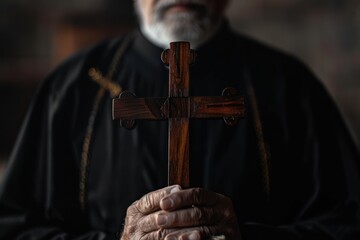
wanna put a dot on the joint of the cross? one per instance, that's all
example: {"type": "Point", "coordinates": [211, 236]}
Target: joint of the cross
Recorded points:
{"type": "Point", "coordinates": [127, 123]}
{"type": "Point", "coordinates": [179, 107]}
{"type": "Point", "coordinates": [227, 92]}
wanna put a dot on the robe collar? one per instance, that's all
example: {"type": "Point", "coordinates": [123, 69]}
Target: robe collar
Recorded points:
{"type": "Point", "coordinates": [218, 45]}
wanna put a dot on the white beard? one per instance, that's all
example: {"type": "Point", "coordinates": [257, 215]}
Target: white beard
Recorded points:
{"type": "Point", "coordinates": [193, 27]}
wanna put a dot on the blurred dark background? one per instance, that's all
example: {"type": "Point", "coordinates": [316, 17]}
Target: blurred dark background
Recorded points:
{"type": "Point", "coordinates": [36, 35]}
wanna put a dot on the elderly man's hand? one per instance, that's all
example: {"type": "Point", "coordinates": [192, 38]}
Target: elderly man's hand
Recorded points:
{"type": "Point", "coordinates": [172, 213]}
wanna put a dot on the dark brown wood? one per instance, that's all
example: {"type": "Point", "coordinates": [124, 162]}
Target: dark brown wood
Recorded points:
{"type": "Point", "coordinates": [178, 144]}
{"type": "Point", "coordinates": [178, 108]}
{"type": "Point", "coordinates": [138, 108]}
{"type": "Point", "coordinates": [217, 107]}
{"type": "Point", "coordinates": [191, 107]}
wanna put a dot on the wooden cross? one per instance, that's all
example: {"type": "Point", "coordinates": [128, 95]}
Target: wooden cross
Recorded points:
{"type": "Point", "coordinates": [178, 108]}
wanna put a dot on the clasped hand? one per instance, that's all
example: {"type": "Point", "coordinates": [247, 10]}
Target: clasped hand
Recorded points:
{"type": "Point", "coordinates": [172, 213]}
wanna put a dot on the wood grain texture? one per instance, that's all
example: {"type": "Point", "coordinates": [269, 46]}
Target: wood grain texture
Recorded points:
{"type": "Point", "coordinates": [178, 57]}
{"type": "Point", "coordinates": [178, 108]}
{"type": "Point", "coordinates": [138, 108]}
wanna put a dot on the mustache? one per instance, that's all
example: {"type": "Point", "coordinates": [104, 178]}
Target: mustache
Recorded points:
{"type": "Point", "coordinates": [163, 5]}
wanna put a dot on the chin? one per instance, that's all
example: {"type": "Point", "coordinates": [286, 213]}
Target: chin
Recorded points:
{"type": "Point", "coordinates": [182, 26]}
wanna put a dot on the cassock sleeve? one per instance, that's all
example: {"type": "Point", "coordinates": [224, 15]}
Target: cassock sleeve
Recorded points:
{"type": "Point", "coordinates": [39, 191]}
{"type": "Point", "coordinates": [315, 189]}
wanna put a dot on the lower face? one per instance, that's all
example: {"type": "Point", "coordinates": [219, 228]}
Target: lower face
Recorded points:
{"type": "Point", "coordinates": [180, 19]}
{"type": "Point", "coordinates": [153, 10]}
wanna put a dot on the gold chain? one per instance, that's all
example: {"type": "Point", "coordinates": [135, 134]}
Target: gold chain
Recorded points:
{"type": "Point", "coordinates": [115, 89]}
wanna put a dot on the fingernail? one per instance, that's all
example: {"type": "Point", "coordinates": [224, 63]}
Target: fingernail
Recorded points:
{"type": "Point", "coordinates": [194, 236]}
{"type": "Point", "coordinates": [161, 219]}
{"type": "Point", "coordinates": [167, 203]}
{"type": "Point", "coordinates": [175, 189]}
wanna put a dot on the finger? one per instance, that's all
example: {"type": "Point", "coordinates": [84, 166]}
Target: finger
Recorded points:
{"type": "Point", "coordinates": [187, 234]}
{"type": "Point", "coordinates": [152, 222]}
{"type": "Point", "coordinates": [159, 234]}
{"type": "Point", "coordinates": [150, 202]}
{"type": "Point", "coordinates": [145, 225]}
{"type": "Point", "coordinates": [189, 217]}
{"type": "Point", "coordinates": [197, 233]}
{"type": "Point", "coordinates": [189, 197]}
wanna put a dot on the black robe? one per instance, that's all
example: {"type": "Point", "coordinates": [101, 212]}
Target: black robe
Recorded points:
{"type": "Point", "coordinates": [314, 166]}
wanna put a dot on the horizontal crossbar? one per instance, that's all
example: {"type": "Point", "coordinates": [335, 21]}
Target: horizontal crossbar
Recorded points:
{"type": "Point", "coordinates": [178, 107]}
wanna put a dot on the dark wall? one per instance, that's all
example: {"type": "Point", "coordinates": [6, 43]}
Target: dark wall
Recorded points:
{"type": "Point", "coordinates": [325, 34]}
{"type": "Point", "coordinates": [36, 36]}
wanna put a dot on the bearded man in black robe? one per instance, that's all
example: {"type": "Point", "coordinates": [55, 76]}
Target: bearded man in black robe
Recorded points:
{"type": "Point", "coordinates": [288, 170]}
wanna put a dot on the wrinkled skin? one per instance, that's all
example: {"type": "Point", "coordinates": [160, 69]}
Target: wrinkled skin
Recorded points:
{"type": "Point", "coordinates": [173, 213]}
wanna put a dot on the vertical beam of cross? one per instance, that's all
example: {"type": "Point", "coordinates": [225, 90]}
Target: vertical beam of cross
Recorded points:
{"type": "Point", "coordinates": [179, 57]}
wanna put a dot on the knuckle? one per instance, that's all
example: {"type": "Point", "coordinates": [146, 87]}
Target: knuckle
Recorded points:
{"type": "Point", "coordinates": [131, 210]}
{"type": "Point", "coordinates": [160, 234]}
{"type": "Point", "coordinates": [197, 194]}
{"type": "Point", "coordinates": [129, 232]}
{"type": "Point", "coordinates": [142, 237]}
{"type": "Point", "coordinates": [131, 229]}
{"type": "Point", "coordinates": [198, 214]}
{"type": "Point", "coordinates": [173, 219]}
{"type": "Point", "coordinates": [206, 232]}
{"type": "Point", "coordinates": [227, 213]}
{"type": "Point", "coordinates": [147, 203]}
